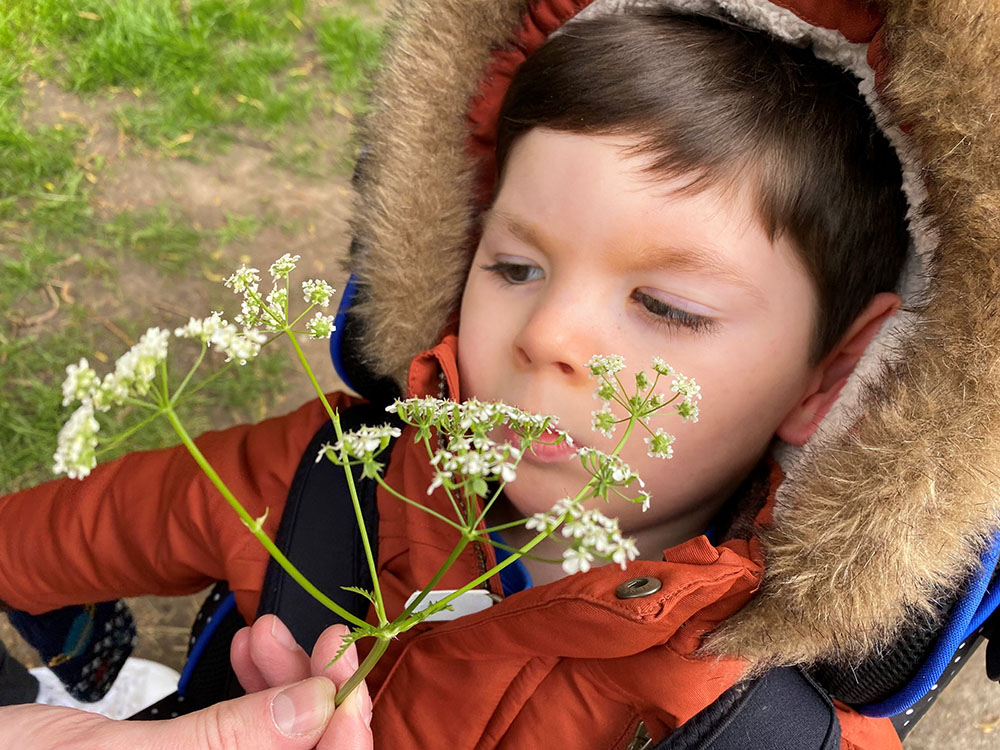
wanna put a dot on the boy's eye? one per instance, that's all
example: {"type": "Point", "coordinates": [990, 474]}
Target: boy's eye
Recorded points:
{"type": "Point", "coordinates": [672, 315]}
{"type": "Point", "coordinates": [514, 273]}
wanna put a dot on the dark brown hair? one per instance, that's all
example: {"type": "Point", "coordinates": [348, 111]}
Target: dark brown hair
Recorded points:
{"type": "Point", "coordinates": [706, 98]}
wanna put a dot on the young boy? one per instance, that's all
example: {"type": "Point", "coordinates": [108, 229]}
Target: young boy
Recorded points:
{"type": "Point", "coordinates": [668, 186]}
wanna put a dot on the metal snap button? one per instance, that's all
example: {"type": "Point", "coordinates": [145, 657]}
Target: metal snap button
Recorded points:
{"type": "Point", "coordinates": [634, 588]}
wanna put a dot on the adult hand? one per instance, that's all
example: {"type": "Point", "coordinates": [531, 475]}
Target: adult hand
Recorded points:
{"type": "Point", "coordinates": [266, 656]}
{"type": "Point", "coordinates": [287, 709]}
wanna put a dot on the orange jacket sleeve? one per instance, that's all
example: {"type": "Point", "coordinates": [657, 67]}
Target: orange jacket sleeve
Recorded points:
{"type": "Point", "coordinates": [152, 522]}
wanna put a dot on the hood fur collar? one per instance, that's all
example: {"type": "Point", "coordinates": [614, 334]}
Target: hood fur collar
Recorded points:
{"type": "Point", "coordinates": [895, 498]}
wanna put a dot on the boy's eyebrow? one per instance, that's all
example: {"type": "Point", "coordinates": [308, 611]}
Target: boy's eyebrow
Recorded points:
{"type": "Point", "coordinates": [691, 259]}
{"type": "Point", "coordinates": [694, 259]}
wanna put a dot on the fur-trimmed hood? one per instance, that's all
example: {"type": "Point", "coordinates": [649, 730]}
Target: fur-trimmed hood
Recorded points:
{"type": "Point", "coordinates": [894, 499]}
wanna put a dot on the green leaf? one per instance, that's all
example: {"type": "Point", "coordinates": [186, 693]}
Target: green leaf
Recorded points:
{"type": "Point", "coordinates": [370, 596]}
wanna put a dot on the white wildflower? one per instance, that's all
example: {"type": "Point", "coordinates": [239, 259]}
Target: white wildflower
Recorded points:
{"type": "Point", "coordinates": [605, 392]}
{"type": "Point", "coordinates": [607, 470]}
{"type": "Point", "coordinates": [321, 326]}
{"type": "Point", "coordinates": [472, 466]}
{"type": "Point", "coordinates": [201, 328]}
{"type": "Point", "coordinates": [364, 442]}
{"type": "Point", "coordinates": [80, 381]}
{"type": "Point", "coordinates": [75, 454]}
{"type": "Point", "coordinates": [284, 266]}
{"type": "Point", "coordinates": [686, 387]}
{"type": "Point", "coordinates": [605, 365]}
{"type": "Point", "coordinates": [662, 367]}
{"type": "Point", "coordinates": [136, 368]}
{"type": "Point", "coordinates": [251, 314]}
{"type": "Point", "coordinates": [276, 304]}
{"type": "Point", "coordinates": [244, 280]}
{"type": "Point", "coordinates": [238, 346]}
{"type": "Point", "coordinates": [317, 292]}
{"type": "Point", "coordinates": [576, 560]}
{"type": "Point", "coordinates": [688, 410]}
{"type": "Point", "coordinates": [604, 422]}
{"type": "Point", "coordinates": [661, 444]}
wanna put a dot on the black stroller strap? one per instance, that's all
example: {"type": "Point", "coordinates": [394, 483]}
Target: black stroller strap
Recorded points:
{"type": "Point", "coordinates": [782, 710]}
{"type": "Point", "coordinates": [319, 534]}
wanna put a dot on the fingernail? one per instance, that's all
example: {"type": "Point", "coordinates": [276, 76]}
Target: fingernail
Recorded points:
{"type": "Point", "coordinates": [283, 635]}
{"type": "Point", "coordinates": [302, 708]}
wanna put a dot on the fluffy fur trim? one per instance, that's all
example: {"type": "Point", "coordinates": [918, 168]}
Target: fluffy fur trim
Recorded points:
{"type": "Point", "coordinates": [893, 505]}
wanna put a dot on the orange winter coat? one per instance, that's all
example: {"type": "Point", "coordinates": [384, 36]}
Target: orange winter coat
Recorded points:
{"type": "Point", "coordinates": [566, 664]}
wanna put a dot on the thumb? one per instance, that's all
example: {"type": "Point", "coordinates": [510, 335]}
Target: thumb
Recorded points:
{"type": "Point", "coordinates": [287, 718]}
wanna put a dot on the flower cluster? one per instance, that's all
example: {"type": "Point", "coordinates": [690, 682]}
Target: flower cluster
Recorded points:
{"type": "Point", "coordinates": [133, 373]}
{"type": "Point", "coordinates": [608, 471]}
{"type": "Point", "coordinates": [271, 312]}
{"type": "Point", "coordinates": [75, 455]}
{"type": "Point", "coordinates": [362, 446]}
{"type": "Point", "coordinates": [470, 465]}
{"type": "Point", "coordinates": [689, 393]}
{"type": "Point", "coordinates": [644, 403]}
{"type": "Point", "coordinates": [605, 365]}
{"type": "Point", "coordinates": [213, 331]}
{"type": "Point", "coordinates": [473, 417]}
{"type": "Point", "coordinates": [76, 446]}
{"type": "Point", "coordinates": [661, 444]}
{"type": "Point", "coordinates": [591, 535]}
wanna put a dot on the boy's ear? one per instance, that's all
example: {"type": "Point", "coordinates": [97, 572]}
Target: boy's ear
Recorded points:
{"type": "Point", "coordinates": [832, 372]}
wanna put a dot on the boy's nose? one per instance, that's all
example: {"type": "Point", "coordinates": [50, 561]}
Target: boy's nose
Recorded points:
{"type": "Point", "coordinates": [557, 337]}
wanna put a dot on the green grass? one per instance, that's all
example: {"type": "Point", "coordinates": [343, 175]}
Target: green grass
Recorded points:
{"type": "Point", "coordinates": [350, 49]}
{"type": "Point", "coordinates": [181, 76]}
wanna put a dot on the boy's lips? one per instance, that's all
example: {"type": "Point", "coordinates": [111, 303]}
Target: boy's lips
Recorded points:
{"type": "Point", "coordinates": [542, 449]}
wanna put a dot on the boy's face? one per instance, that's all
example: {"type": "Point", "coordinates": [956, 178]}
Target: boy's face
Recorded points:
{"type": "Point", "coordinates": [583, 254]}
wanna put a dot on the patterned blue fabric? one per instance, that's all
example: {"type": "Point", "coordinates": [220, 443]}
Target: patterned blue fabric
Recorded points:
{"type": "Point", "coordinates": [85, 646]}
{"type": "Point", "coordinates": [976, 604]}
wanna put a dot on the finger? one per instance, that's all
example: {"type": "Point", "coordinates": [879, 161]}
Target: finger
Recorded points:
{"type": "Point", "coordinates": [246, 671]}
{"type": "Point", "coordinates": [288, 718]}
{"type": "Point", "coordinates": [326, 648]}
{"type": "Point", "coordinates": [350, 727]}
{"type": "Point", "coordinates": [49, 728]}
{"type": "Point", "coordinates": [275, 654]}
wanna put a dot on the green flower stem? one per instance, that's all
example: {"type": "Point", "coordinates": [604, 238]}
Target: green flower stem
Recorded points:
{"type": "Point", "coordinates": [319, 390]}
{"type": "Point", "coordinates": [486, 508]}
{"type": "Point", "coordinates": [301, 316]}
{"type": "Point", "coordinates": [116, 439]}
{"type": "Point", "coordinates": [515, 550]}
{"type": "Point", "coordinates": [381, 644]}
{"type": "Point", "coordinates": [476, 583]}
{"type": "Point", "coordinates": [628, 431]}
{"type": "Point", "coordinates": [335, 418]}
{"type": "Point", "coordinates": [254, 527]}
{"type": "Point", "coordinates": [452, 558]}
{"type": "Point", "coordinates": [384, 485]}
{"type": "Point", "coordinates": [187, 378]}
{"type": "Point", "coordinates": [509, 525]}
